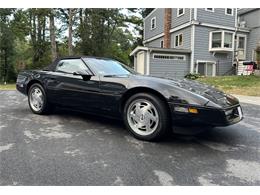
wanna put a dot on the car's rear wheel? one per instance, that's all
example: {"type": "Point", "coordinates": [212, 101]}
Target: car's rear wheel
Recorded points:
{"type": "Point", "coordinates": [146, 117]}
{"type": "Point", "coordinates": [37, 100]}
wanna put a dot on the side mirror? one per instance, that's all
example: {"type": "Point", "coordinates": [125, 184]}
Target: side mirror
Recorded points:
{"type": "Point", "coordinates": [84, 74]}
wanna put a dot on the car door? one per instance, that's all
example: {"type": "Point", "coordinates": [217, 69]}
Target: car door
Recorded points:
{"type": "Point", "coordinates": [71, 90]}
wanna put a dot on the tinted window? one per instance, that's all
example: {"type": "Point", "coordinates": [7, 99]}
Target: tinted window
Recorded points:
{"type": "Point", "coordinates": [108, 66]}
{"type": "Point", "coordinates": [71, 66]}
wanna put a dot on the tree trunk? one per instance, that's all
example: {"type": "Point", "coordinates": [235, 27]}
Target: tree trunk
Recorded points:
{"type": "Point", "coordinates": [70, 31]}
{"type": "Point", "coordinates": [52, 36]}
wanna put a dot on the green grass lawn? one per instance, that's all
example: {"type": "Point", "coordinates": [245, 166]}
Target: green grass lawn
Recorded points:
{"type": "Point", "coordinates": [240, 85]}
{"type": "Point", "coordinates": [7, 86]}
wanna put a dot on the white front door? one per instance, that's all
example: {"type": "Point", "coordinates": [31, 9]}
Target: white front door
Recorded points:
{"type": "Point", "coordinates": [140, 62]}
{"type": "Point", "coordinates": [206, 68]}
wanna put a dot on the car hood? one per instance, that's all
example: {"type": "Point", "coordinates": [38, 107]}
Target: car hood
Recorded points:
{"type": "Point", "coordinates": [209, 92]}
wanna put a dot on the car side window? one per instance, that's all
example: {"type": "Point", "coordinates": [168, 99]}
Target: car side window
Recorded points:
{"type": "Point", "coordinates": [71, 66]}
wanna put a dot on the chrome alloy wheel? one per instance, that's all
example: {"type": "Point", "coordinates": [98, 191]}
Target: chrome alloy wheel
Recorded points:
{"type": "Point", "coordinates": [142, 117]}
{"type": "Point", "coordinates": [36, 99]}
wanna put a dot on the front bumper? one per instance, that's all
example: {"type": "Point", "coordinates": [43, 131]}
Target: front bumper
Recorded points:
{"type": "Point", "coordinates": [21, 88]}
{"type": "Point", "coordinates": [206, 115]}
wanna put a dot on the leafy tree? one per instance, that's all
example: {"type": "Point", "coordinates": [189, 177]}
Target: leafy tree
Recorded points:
{"type": "Point", "coordinates": [6, 46]}
{"type": "Point", "coordinates": [32, 38]}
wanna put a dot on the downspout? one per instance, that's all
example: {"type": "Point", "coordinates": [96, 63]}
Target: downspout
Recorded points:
{"type": "Point", "coordinates": [192, 39]}
{"type": "Point", "coordinates": [233, 56]}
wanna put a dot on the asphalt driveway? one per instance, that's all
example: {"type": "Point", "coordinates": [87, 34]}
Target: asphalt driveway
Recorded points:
{"type": "Point", "coordinates": [68, 148]}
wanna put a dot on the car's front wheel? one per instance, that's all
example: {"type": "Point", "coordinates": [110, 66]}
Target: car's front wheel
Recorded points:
{"type": "Point", "coordinates": [37, 99]}
{"type": "Point", "coordinates": [146, 117]}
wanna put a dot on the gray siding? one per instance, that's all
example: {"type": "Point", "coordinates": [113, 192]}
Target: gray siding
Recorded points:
{"type": "Point", "coordinates": [252, 20]}
{"type": "Point", "coordinates": [169, 68]}
{"type": "Point", "coordinates": [154, 43]}
{"type": "Point", "coordinates": [177, 21]}
{"type": "Point", "coordinates": [253, 39]}
{"type": "Point", "coordinates": [186, 36]}
{"type": "Point", "coordinates": [148, 33]}
{"type": "Point", "coordinates": [217, 17]}
{"type": "Point", "coordinates": [201, 51]}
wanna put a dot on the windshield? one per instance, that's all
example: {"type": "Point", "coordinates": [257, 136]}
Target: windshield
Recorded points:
{"type": "Point", "coordinates": [108, 67]}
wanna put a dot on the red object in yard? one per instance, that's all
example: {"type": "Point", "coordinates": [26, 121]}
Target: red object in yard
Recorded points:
{"type": "Point", "coordinates": [250, 67]}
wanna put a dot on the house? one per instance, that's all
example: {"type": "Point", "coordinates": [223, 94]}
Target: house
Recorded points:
{"type": "Point", "coordinates": [209, 41]}
{"type": "Point", "coordinates": [250, 18]}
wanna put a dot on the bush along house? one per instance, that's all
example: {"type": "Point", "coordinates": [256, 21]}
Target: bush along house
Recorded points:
{"type": "Point", "coordinates": [208, 41]}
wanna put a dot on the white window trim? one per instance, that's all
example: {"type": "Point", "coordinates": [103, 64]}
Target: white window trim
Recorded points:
{"type": "Point", "coordinates": [178, 40]}
{"type": "Point", "coordinates": [176, 55]}
{"type": "Point", "coordinates": [161, 44]}
{"type": "Point", "coordinates": [222, 48]}
{"type": "Point", "coordinates": [206, 9]}
{"type": "Point", "coordinates": [245, 44]}
{"type": "Point", "coordinates": [153, 18]}
{"type": "Point", "coordinates": [179, 15]}
{"type": "Point", "coordinates": [203, 61]}
{"type": "Point", "coordinates": [229, 14]}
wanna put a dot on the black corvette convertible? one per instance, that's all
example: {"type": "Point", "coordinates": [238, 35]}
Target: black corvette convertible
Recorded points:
{"type": "Point", "coordinates": [148, 105]}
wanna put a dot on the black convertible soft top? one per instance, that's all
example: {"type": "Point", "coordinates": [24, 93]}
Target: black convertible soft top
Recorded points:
{"type": "Point", "coordinates": [51, 67]}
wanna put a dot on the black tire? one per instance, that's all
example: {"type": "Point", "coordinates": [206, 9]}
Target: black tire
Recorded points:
{"type": "Point", "coordinates": [46, 106]}
{"type": "Point", "coordinates": [164, 124]}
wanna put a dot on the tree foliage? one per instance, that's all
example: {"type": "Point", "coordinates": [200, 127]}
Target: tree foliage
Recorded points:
{"type": "Point", "coordinates": [32, 38]}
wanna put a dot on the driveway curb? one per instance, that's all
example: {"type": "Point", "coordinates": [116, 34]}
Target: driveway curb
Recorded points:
{"type": "Point", "coordinates": [248, 99]}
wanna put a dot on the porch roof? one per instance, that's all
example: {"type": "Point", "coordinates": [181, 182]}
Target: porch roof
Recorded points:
{"type": "Point", "coordinates": [166, 50]}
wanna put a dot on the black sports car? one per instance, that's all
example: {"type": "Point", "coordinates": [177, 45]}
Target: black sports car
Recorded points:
{"type": "Point", "coordinates": [148, 105]}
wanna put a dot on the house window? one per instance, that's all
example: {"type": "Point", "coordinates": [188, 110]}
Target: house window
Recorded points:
{"type": "Point", "coordinates": [169, 57]}
{"type": "Point", "coordinates": [178, 40]}
{"type": "Point", "coordinates": [221, 41]}
{"type": "Point", "coordinates": [228, 40]}
{"type": "Point", "coordinates": [209, 9]}
{"type": "Point", "coordinates": [241, 47]}
{"type": "Point", "coordinates": [206, 68]}
{"type": "Point", "coordinates": [153, 23]}
{"type": "Point", "coordinates": [216, 39]}
{"type": "Point", "coordinates": [229, 11]}
{"type": "Point", "coordinates": [161, 44]}
{"type": "Point", "coordinates": [180, 12]}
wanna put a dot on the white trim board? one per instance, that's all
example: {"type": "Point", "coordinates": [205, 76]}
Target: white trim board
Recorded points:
{"type": "Point", "coordinates": [137, 49]}
{"type": "Point", "coordinates": [147, 63]}
{"type": "Point", "coordinates": [153, 38]}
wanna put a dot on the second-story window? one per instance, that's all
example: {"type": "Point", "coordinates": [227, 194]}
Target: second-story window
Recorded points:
{"type": "Point", "coordinates": [180, 12]}
{"type": "Point", "coordinates": [153, 23]}
{"type": "Point", "coordinates": [228, 40]}
{"type": "Point", "coordinates": [221, 41]}
{"type": "Point", "coordinates": [178, 40]}
{"type": "Point", "coordinates": [161, 44]}
{"type": "Point", "coordinates": [229, 11]}
{"type": "Point", "coordinates": [216, 39]}
{"type": "Point", "coordinates": [209, 9]}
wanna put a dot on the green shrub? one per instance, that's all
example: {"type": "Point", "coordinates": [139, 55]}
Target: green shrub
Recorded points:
{"type": "Point", "coordinates": [192, 76]}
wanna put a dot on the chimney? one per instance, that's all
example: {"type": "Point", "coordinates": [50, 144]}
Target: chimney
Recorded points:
{"type": "Point", "coordinates": [167, 27]}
